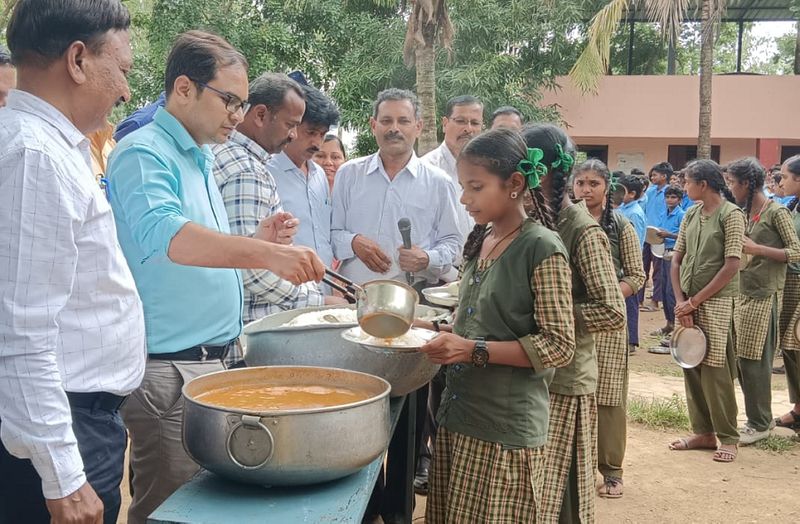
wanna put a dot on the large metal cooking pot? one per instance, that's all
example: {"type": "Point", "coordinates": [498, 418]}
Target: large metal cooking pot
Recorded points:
{"type": "Point", "coordinates": [269, 342]}
{"type": "Point", "coordinates": [287, 447]}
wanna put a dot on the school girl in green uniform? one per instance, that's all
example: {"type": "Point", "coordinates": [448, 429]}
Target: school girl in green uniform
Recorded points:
{"type": "Point", "coordinates": [513, 326]}
{"type": "Point", "coordinates": [771, 240]}
{"type": "Point", "coordinates": [592, 183]}
{"type": "Point", "coordinates": [570, 461]}
{"type": "Point", "coordinates": [790, 310]}
{"type": "Point", "coordinates": [705, 279]}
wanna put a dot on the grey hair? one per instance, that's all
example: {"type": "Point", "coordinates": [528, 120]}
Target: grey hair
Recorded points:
{"type": "Point", "coordinates": [270, 89]}
{"type": "Point", "coordinates": [395, 94]}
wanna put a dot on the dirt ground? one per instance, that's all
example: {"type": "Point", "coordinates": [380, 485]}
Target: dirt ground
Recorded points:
{"type": "Point", "coordinates": [663, 486]}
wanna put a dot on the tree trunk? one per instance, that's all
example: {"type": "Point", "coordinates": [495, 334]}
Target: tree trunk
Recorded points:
{"type": "Point", "coordinates": [426, 91]}
{"type": "Point", "coordinates": [797, 51]}
{"type": "Point", "coordinates": [706, 74]}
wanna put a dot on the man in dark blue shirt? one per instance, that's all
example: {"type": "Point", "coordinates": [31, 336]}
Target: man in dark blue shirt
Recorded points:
{"type": "Point", "coordinates": [139, 118]}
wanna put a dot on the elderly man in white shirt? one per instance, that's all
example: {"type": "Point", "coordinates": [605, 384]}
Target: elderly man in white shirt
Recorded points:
{"type": "Point", "coordinates": [463, 120]}
{"type": "Point", "coordinates": [373, 193]}
{"type": "Point", "coordinates": [71, 326]}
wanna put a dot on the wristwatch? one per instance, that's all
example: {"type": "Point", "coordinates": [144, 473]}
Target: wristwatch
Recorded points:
{"type": "Point", "coordinates": [480, 354]}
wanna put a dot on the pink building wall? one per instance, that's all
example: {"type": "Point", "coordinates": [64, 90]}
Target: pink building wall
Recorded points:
{"type": "Point", "coordinates": [640, 116]}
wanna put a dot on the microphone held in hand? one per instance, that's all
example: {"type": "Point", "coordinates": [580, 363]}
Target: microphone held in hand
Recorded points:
{"type": "Point", "coordinates": [404, 225]}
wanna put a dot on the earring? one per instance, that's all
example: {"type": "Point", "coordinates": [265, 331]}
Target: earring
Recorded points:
{"type": "Point", "coordinates": [513, 195]}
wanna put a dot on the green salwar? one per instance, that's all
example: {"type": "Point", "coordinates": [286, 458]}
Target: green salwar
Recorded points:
{"type": "Point", "coordinates": [711, 398]}
{"type": "Point", "coordinates": [755, 377]}
{"type": "Point", "coordinates": [612, 433]}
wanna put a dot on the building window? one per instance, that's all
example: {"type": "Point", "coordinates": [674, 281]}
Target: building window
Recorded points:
{"type": "Point", "coordinates": [679, 156]}
{"type": "Point", "coordinates": [599, 152]}
{"type": "Point", "coordinates": [789, 151]}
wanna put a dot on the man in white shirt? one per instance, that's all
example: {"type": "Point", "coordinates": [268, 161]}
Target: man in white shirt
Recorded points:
{"type": "Point", "coordinates": [463, 120]}
{"type": "Point", "coordinates": [373, 193]}
{"type": "Point", "coordinates": [71, 321]}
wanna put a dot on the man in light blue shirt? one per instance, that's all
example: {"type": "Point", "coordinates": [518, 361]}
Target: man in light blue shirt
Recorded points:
{"type": "Point", "coordinates": [655, 210]}
{"type": "Point", "coordinates": [173, 230]}
{"type": "Point", "coordinates": [301, 182]}
{"type": "Point", "coordinates": [373, 193]}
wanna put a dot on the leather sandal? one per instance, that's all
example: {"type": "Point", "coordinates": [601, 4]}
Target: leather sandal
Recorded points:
{"type": "Point", "coordinates": [794, 424]}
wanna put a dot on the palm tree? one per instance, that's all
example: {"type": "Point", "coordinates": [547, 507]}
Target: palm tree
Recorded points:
{"type": "Point", "coordinates": [428, 25]}
{"type": "Point", "coordinates": [669, 14]}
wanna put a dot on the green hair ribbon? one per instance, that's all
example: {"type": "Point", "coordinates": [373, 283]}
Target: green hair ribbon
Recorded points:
{"type": "Point", "coordinates": [614, 182]}
{"type": "Point", "coordinates": [532, 167]}
{"type": "Point", "coordinates": [563, 160]}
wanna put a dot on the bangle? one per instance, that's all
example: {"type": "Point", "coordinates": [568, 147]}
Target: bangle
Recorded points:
{"type": "Point", "coordinates": [694, 308]}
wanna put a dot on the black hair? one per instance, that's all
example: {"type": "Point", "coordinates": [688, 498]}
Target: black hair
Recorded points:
{"type": "Point", "coordinates": [673, 191]}
{"type": "Point", "coordinates": [394, 94]}
{"type": "Point", "coordinates": [334, 138]}
{"type": "Point", "coordinates": [462, 100]}
{"type": "Point", "coordinates": [40, 31]}
{"type": "Point", "coordinates": [710, 172]}
{"type": "Point", "coordinates": [546, 137]}
{"type": "Point", "coordinates": [633, 183]}
{"type": "Point", "coordinates": [320, 110]}
{"type": "Point", "coordinates": [637, 172]}
{"type": "Point", "coordinates": [506, 110]}
{"type": "Point", "coordinates": [599, 167]}
{"type": "Point", "coordinates": [665, 168]}
{"type": "Point", "coordinates": [270, 89]}
{"type": "Point", "coordinates": [748, 170]}
{"type": "Point", "coordinates": [500, 151]}
{"type": "Point", "coordinates": [5, 56]}
{"type": "Point", "coordinates": [793, 166]}
{"type": "Point", "coordinates": [199, 55]}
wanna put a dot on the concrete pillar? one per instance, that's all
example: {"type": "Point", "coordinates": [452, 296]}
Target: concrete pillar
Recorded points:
{"type": "Point", "coordinates": [768, 151]}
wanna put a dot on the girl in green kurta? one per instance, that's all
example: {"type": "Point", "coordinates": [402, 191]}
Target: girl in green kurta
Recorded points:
{"type": "Point", "coordinates": [593, 184]}
{"type": "Point", "coordinates": [571, 454]}
{"type": "Point", "coordinates": [790, 308]}
{"type": "Point", "coordinates": [514, 324]}
{"type": "Point", "coordinates": [705, 279]}
{"type": "Point", "coordinates": [771, 239]}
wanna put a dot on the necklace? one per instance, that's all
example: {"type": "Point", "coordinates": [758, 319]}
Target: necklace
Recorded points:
{"type": "Point", "coordinates": [485, 262]}
{"type": "Point", "coordinates": [757, 216]}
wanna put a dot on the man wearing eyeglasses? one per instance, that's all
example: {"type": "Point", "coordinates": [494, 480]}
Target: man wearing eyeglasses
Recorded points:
{"type": "Point", "coordinates": [463, 120]}
{"type": "Point", "coordinates": [173, 229]}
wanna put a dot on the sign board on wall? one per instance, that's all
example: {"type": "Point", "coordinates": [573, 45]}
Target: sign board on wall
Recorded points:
{"type": "Point", "coordinates": [628, 161]}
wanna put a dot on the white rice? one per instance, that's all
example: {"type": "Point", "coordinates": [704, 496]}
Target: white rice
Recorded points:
{"type": "Point", "coordinates": [324, 317]}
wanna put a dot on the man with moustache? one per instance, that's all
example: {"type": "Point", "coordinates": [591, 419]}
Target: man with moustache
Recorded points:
{"type": "Point", "coordinates": [173, 229]}
{"type": "Point", "coordinates": [374, 192]}
{"type": "Point", "coordinates": [301, 182]}
{"type": "Point", "coordinates": [249, 191]}
{"type": "Point", "coordinates": [463, 120]}
{"type": "Point", "coordinates": [72, 333]}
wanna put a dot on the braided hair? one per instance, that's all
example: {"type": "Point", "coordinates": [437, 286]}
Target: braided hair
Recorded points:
{"type": "Point", "coordinates": [599, 167]}
{"type": "Point", "coordinates": [709, 172]}
{"type": "Point", "coordinates": [748, 170]}
{"type": "Point", "coordinates": [500, 151]}
{"type": "Point", "coordinates": [546, 137]}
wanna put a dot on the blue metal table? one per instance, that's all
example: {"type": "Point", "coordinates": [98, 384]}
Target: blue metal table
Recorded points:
{"type": "Point", "coordinates": [211, 499]}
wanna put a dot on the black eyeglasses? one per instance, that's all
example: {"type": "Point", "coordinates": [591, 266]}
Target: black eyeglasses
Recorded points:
{"type": "Point", "coordinates": [232, 102]}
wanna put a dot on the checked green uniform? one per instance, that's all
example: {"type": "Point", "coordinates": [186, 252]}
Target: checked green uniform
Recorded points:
{"type": "Point", "coordinates": [705, 242]}
{"type": "Point", "coordinates": [571, 454]}
{"type": "Point", "coordinates": [612, 356]}
{"type": "Point", "coordinates": [790, 316]}
{"type": "Point", "coordinates": [757, 308]}
{"type": "Point", "coordinates": [488, 461]}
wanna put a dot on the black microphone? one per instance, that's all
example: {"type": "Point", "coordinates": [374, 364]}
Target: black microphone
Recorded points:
{"type": "Point", "coordinates": [404, 225]}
